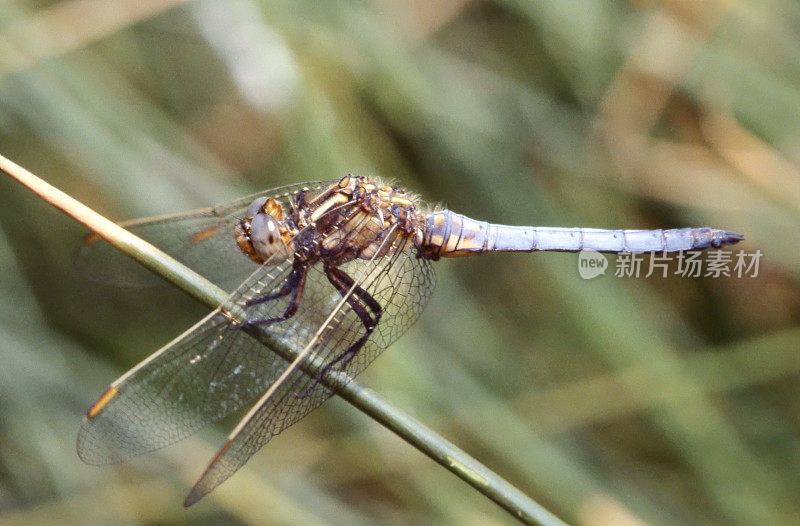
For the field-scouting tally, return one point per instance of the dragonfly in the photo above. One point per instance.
(337, 271)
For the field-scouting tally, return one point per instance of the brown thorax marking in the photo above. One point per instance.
(367, 210)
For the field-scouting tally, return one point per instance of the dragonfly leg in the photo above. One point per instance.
(357, 300)
(343, 358)
(290, 285)
(295, 284)
(360, 300)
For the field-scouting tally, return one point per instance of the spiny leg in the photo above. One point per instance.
(357, 301)
(343, 283)
(294, 284)
(289, 285)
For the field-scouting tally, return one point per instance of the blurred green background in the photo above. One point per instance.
(611, 401)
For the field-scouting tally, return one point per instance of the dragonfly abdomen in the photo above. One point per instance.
(447, 234)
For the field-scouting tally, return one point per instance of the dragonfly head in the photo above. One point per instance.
(262, 234)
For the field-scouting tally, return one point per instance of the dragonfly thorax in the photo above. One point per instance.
(361, 218)
(356, 218)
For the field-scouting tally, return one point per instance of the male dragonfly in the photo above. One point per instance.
(338, 270)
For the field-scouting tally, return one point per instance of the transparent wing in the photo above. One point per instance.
(206, 373)
(201, 239)
(400, 282)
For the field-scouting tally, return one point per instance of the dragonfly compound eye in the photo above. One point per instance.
(265, 235)
(256, 207)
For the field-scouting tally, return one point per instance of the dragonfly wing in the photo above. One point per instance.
(400, 282)
(204, 374)
(209, 371)
(197, 240)
(282, 194)
(201, 239)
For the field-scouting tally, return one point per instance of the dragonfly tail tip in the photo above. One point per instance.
(731, 238)
(192, 498)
